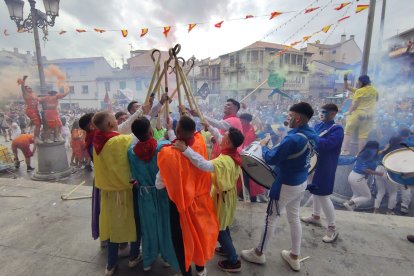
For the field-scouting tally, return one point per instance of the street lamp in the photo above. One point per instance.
(36, 19)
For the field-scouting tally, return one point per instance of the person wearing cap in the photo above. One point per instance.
(291, 159)
(331, 136)
(360, 117)
(50, 105)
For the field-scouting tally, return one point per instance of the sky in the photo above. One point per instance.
(204, 40)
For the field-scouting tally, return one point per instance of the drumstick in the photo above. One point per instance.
(406, 146)
(243, 188)
(78, 197)
(64, 197)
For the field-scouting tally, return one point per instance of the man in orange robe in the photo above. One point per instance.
(32, 110)
(50, 107)
(194, 224)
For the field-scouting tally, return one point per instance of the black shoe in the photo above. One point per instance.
(410, 238)
(29, 169)
(88, 168)
(227, 266)
(220, 251)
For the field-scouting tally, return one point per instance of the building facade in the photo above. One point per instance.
(244, 70)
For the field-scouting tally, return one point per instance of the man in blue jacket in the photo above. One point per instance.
(291, 160)
(329, 146)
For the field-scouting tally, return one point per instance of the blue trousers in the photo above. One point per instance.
(226, 243)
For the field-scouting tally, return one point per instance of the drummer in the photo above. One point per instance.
(291, 158)
(329, 147)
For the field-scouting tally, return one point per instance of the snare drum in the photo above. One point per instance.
(255, 167)
(399, 165)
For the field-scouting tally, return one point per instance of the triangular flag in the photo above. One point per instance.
(249, 16)
(360, 8)
(218, 25)
(5, 32)
(124, 32)
(144, 31)
(191, 26)
(274, 14)
(62, 32)
(99, 30)
(341, 6)
(311, 9)
(326, 28)
(295, 43)
(167, 29)
(343, 18)
(81, 30)
(306, 38)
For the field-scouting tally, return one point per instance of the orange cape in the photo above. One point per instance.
(189, 188)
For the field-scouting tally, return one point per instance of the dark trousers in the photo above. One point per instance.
(226, 243)
(177, 238)
(135, 245)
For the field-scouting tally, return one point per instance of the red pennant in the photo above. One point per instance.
(62, 32)
(274, 14)
(218, 25)
(311, 9)
(81, 30)
(99, 30)
(341, 6)
(5, 32)
(249, 16)
(167, 29)
(343, 18)
(191, 26)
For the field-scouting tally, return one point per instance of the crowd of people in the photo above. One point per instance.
(161, 179)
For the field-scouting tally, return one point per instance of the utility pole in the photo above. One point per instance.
(380, 39)
(368, 37)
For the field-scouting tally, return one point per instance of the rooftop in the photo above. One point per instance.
(74, 60)
(269, 45)
(336, 65)
(329, 46)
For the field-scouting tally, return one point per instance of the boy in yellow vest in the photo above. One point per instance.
(225, 170)
(112, 177)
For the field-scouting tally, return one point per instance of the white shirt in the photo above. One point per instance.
(220, 124)
(125, 127)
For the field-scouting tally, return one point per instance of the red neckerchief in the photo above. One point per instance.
(100, 139)
(188, 142)
(234, 154)
(89, 138)
(145, 150)
(229, 116)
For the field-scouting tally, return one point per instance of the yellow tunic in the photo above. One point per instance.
(224, 194)
(112, 175)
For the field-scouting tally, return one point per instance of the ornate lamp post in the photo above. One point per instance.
(52, 158)
(36, 19)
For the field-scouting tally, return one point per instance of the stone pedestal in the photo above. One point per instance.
(52, 162)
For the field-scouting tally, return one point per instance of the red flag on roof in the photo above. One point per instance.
(107, 101)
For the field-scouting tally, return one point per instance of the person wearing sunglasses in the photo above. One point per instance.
(331, 136)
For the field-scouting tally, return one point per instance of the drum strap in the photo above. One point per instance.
(326, 131)
(302, 151)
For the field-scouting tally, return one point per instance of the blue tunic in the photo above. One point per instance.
(328, 149)
(290, 172)
(154, 212)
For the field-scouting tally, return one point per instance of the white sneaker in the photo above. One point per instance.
(123, 252)
(38, 141)
(48, 141)
(134, 262)
(250, 255)
(345, 152)
(348, 206)
(202, 273)
(110, 272)
(404, 209)
(294, 264)
(148, 268)
(311, 220)
(331, 235)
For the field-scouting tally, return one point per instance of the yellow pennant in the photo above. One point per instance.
(124, 33)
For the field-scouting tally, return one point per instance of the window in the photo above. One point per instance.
(299, 60)
(248, 56)
(321, 53)
(255, 56)
(293, 59)
(122, 84)
(85, 89)
(69, 72)
(202, 72)
(107, 86)
(334, 52)
(232, 61)
(83, 71)
(260, 75)
(72, 89)
(286, 58)
(138, 85)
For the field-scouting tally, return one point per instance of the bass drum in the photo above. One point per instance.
(255, 167)
(399, 165)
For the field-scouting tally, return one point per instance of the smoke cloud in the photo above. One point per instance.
(52, 71)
